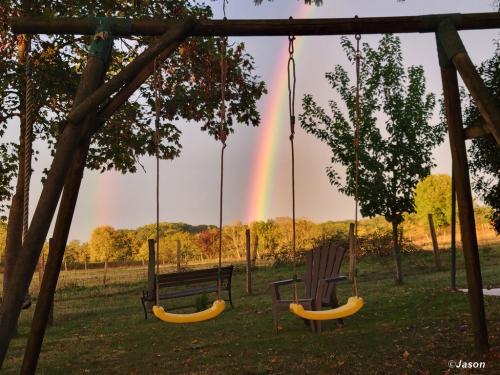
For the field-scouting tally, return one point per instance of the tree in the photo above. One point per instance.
(392, 160)
(102, 244)
(484, 155)
(433, 196)
(208, 242)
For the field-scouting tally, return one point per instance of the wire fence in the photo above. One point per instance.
(85, 281)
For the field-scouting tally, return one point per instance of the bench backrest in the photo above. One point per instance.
(195, 277)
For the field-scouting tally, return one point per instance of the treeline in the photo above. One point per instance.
(270, 239)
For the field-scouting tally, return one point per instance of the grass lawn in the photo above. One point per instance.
(415, 328)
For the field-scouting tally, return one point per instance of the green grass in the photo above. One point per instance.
(102, 331)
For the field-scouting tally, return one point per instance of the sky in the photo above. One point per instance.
(257, 182)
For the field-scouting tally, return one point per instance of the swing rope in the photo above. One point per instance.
(291, 110)
(219, 305)
(157, 152)
(354, 303)
(356, 165)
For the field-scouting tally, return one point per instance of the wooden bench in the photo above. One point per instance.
(194, 282)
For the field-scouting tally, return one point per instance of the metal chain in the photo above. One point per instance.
(356, 166)
(291, 110)
(28, 136)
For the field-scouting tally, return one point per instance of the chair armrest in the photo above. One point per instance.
(335, 279)
(274, 286)
(284, 282)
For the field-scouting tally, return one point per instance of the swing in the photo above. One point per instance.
(354, 303)
(219, 305)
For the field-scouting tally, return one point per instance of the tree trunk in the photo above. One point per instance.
(396, 254)
(14, 240)
(105, 272)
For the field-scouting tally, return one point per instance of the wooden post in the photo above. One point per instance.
(151, 270)
(178, 255)
(255, 249)
(464, 198)
(435, 246)
(249, 261)
(454, 49)
(453, 248)
(351, 251)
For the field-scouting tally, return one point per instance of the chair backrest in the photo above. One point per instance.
(322, 263)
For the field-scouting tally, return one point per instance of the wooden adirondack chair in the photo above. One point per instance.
(322, 273)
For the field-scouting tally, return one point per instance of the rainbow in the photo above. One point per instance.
(274, 121)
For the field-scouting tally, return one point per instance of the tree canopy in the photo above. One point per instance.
(393, 158)
(433, 196)
(483, 152)
(190, 85)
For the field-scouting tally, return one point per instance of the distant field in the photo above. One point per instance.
(415, 328)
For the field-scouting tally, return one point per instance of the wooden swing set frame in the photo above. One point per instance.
(96, 101)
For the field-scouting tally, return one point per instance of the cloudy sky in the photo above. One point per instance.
(257, 174)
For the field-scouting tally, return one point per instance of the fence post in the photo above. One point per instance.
(249, 261)
(178, 255)
(435, 247)
(255, 249)
(151, 270)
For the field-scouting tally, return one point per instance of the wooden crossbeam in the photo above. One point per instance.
(254, 27)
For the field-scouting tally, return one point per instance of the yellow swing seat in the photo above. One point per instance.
(353, 305)
(217, 307)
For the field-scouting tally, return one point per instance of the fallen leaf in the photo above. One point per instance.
(406, 355)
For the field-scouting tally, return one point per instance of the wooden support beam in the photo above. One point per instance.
(464, 198)
(252, 27)
(126, 91)
(47, 203)
(477, 130)
(57, 247)
(173, 36)
(454, 50)
(453, 246)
